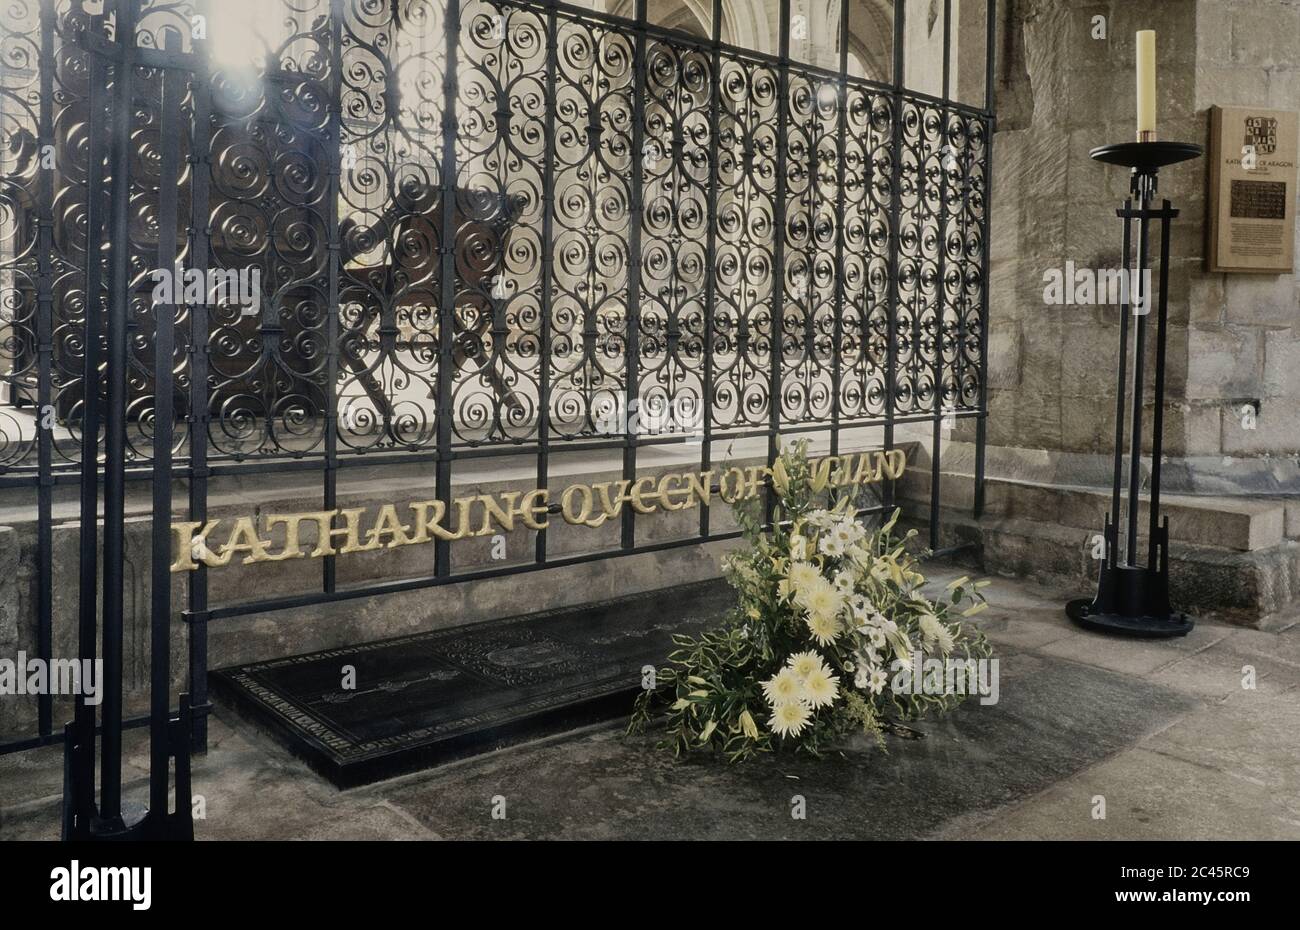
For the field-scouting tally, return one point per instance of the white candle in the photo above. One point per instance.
(1146, 84)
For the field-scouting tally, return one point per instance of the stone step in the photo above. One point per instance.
(1238, 524)
(1241, 587)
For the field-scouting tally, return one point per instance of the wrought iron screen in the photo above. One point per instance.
(480, 227)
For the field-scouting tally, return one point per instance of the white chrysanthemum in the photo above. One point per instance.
(824, 628)
(945, 639)
(844, 583)
(783, 688)
(878, 681)
(861, 604)
(819, 597)
(804, 664)
(821, 687)
(802, 575)
(789, 719)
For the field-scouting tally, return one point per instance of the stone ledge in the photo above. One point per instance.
(1242, 588)
(1241, 524)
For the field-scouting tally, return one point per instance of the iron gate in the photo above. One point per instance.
(478, 227)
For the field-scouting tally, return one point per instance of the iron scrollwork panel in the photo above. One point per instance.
(390, 215)
(919, 241)
(592, 198)
(269, 152)
(29, 159)
(864, 349)
(675, 172)
(747, 289)
(810, 233)
(965, 214)
(501, 114)
(20, 168)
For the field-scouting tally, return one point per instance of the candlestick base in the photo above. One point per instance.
(1146, 156)
(1144, 627)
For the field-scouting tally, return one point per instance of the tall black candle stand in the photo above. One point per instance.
(1133, 599)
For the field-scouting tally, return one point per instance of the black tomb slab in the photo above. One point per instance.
(428, 698)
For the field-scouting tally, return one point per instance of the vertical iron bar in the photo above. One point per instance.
(936, 437)
(895, 197)
(117, 400)
(632, 315)
(990, 98)
(1158, 414)
(711, 249)
(447, 247)
(1121, 384)
(160, 607)
(548, 264)
(841, 127)
(196, 613)
(88, 541)
(777, 325)
(1139, 366)
(44, 387)
(334, 140)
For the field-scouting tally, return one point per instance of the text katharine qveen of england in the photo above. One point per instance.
(347, 530)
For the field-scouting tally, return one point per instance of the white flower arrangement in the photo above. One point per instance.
(825, 608)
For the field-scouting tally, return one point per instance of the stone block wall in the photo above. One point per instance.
(1233, 338)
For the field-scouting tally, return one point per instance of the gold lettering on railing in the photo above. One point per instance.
(341, 532)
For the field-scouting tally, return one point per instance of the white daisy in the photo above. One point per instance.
(804, 664)
(819, 597)
(783, 688)
(789, 719)
(830, 546)
(878, 680)
(821, 687)
(847, 532)
(824, 628)
(844, 582)
(945, 639)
